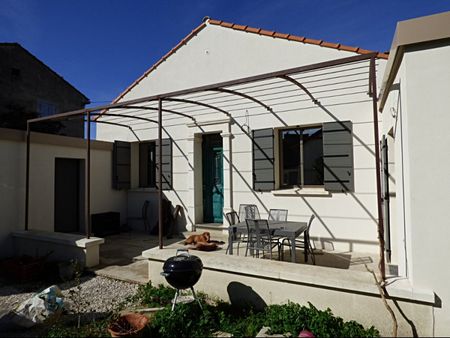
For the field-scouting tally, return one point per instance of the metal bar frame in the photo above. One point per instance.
(198, 103)
(251, 98)
(160, 208)
(302, 87)
(88, 177)
(119, 125)
(171, 96)
(157, 109)
(27, 177)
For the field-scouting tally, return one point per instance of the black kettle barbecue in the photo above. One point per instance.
(182, 271)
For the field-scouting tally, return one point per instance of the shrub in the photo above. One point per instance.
(152, 296)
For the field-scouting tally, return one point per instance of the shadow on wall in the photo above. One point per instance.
(243, 296)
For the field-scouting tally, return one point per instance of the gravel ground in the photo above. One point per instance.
(98, 294)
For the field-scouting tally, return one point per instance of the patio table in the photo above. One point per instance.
(287, 229)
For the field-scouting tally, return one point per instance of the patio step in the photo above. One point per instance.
(217, 231)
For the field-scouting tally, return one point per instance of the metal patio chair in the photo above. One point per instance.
(260, 237)
(143, 217)
(302, 243)
(233, 218)
(278, 215)
(248, 211)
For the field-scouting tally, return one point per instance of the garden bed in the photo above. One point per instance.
(218, 317)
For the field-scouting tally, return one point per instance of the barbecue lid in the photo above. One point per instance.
(183, 262)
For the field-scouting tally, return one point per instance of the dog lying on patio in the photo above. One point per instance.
(202, 242)
(194, 239)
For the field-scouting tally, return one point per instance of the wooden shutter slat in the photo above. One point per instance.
(338, 156)
(263, 160)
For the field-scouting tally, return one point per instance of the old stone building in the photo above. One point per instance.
(29, 88)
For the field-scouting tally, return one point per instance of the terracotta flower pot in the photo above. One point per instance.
(128, 325)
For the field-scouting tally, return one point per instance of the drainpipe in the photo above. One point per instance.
(373, 81)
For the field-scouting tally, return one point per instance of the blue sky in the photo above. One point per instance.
(101, 46)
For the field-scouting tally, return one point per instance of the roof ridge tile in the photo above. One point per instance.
(279, 35)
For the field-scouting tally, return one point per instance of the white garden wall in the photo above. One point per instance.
(44, 149)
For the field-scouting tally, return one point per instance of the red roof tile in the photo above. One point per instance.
(296, 38)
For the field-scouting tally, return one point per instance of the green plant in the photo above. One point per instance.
(152, 296)
(90, 329)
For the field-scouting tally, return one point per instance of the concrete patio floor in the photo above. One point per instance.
(121, 256)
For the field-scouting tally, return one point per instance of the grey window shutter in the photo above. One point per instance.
(121, 165)
(338, 156)
(263, 160)
(166, 164)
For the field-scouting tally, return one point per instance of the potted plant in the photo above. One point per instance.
(128, 325)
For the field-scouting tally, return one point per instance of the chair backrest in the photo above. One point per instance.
(257, 228)
(309, 224)
(278, 214)
(232, 217)
(248, 211)
(145, 209)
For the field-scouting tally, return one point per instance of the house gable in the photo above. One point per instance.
(218, 51)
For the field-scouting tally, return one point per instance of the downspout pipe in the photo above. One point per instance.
(373, 80)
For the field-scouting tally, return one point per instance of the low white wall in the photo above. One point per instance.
(351, 295)
(44, 149)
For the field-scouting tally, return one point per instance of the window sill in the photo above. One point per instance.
(301, 192)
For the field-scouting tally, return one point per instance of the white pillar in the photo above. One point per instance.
(194, 177)
(227, 139)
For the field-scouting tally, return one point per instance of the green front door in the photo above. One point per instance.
(212, 178)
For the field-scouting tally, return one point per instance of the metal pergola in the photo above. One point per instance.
(190, 98)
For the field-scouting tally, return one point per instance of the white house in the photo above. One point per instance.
(296, 180)
(292, 125)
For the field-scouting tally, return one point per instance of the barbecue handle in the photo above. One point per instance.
(165, 274)
(182, 252)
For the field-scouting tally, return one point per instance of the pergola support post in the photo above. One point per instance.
(27, 177)
(160, 195)
(88, 178)
(373, 81)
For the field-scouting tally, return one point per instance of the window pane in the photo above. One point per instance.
(147, 165)
(312, 156)
(290, 167)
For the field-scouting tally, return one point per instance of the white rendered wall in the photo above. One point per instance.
(428, 141)
(42, 171)
(420, 102)
(345, 221)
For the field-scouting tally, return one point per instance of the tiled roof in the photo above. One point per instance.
(295, 38)
(249, 30)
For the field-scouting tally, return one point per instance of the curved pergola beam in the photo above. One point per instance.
(198, 103)
(302, 87)
(116, 124)
(124, 116)
(251, 98)
(156, 109)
